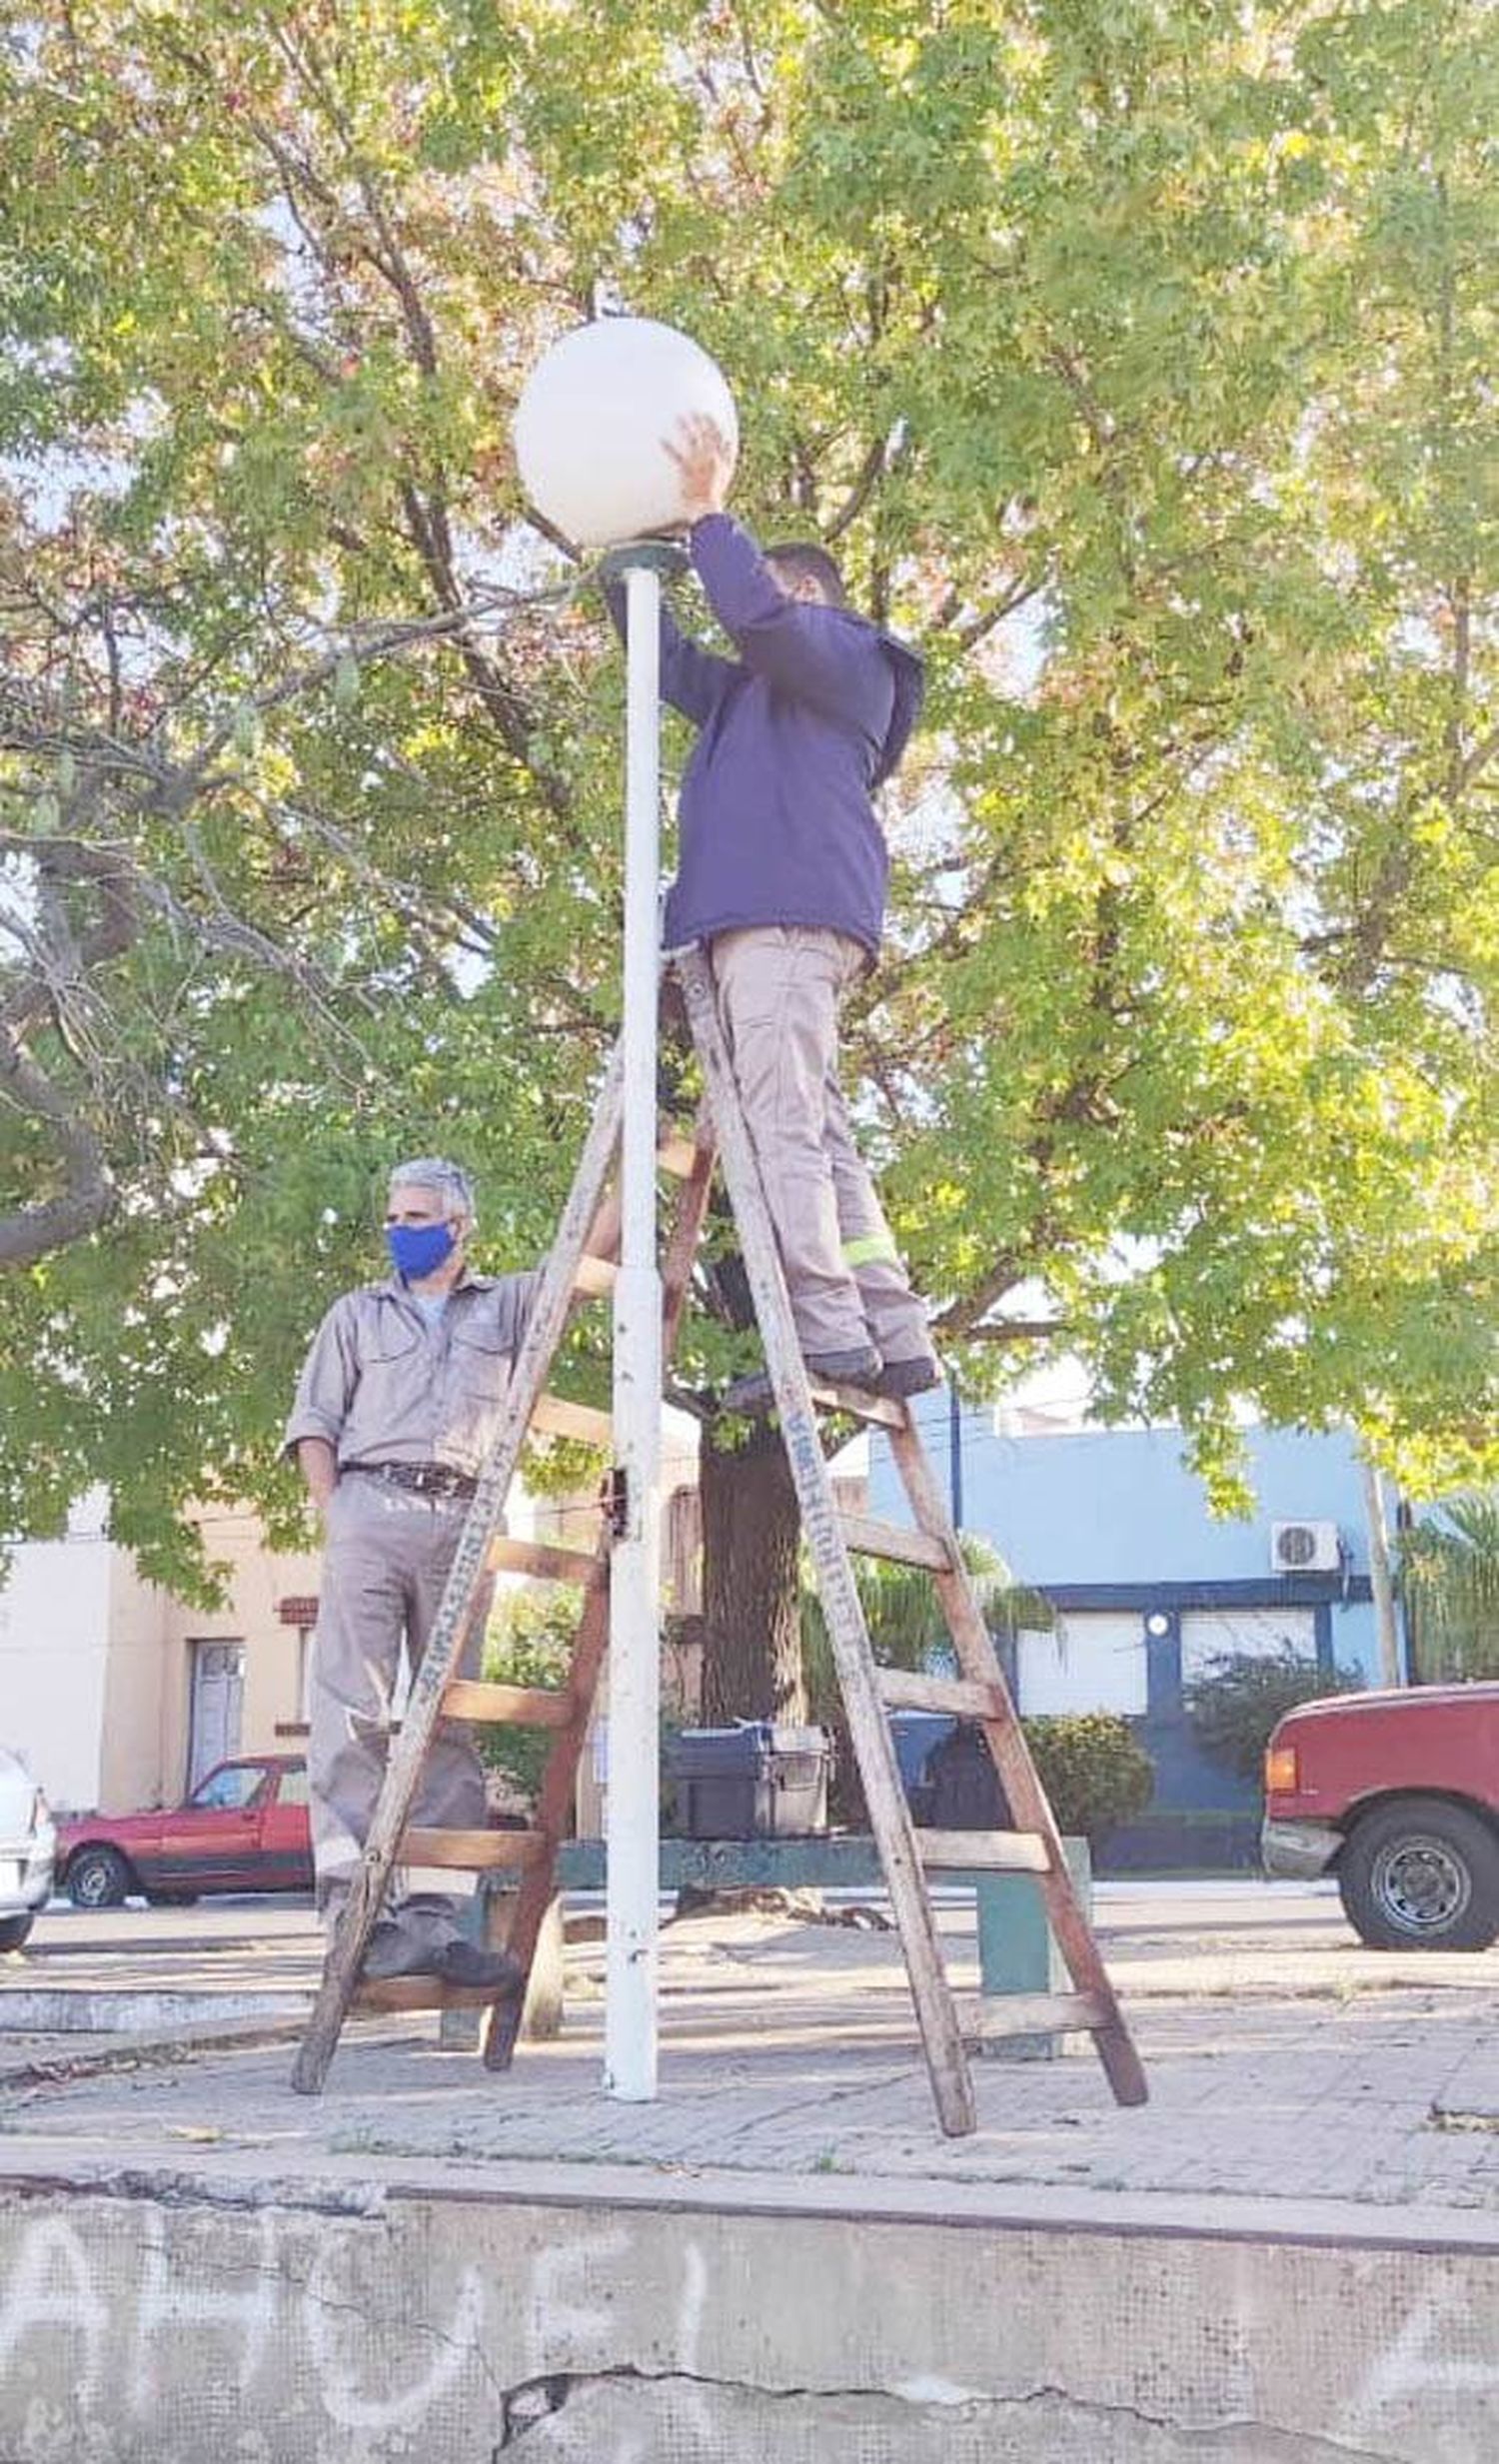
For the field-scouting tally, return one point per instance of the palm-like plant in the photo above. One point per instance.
(908, 1631)
(1448, 1571)
(904, 1616)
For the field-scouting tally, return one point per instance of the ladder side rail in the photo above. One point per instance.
(1030, 1805)
(591, 1642)
(445, 1645)
(874, 1749)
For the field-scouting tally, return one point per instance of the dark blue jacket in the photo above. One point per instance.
(776, 822)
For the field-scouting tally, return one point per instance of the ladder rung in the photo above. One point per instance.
(538, 1557)
(965, 1698)
(420, 1994)
(987, 1851)
(555, 1416)
(990, 2017)
(530, 1707)
(859, 1405)
(595, 1276)
(676, 1155)
(902, 1546)
(474, 1852)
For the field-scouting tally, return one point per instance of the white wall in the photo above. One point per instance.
(54, 1638)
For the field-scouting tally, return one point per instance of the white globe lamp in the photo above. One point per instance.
(593, 419)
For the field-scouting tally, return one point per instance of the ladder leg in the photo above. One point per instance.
(1029, 1807)
(937, 2012)
(441, 1659)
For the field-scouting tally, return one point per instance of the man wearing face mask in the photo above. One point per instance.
(397, 1407)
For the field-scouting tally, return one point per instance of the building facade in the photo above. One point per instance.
(119, 1694)
(1148, 1588)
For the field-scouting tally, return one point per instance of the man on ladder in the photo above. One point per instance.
(396, 1410)
(778, 903)
(782, 875)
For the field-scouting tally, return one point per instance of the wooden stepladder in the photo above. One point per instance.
(979, 1692)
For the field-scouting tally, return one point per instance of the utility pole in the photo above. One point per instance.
(1381, 1581)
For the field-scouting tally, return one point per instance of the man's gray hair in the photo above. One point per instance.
(435, 1172)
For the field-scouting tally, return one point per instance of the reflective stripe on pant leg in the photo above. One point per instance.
(871, 1248)
(778, 994)
(896, 1317)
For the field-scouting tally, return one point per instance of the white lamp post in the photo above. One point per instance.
(590, 431)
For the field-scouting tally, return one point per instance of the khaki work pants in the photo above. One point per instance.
(386, 1557)
(780, 989)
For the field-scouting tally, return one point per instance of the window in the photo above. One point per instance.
(1256, 1632)
(292, 1789)
(1093, 1661)
(237, 1784)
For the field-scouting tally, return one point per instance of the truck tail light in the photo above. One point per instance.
(1282, 1772)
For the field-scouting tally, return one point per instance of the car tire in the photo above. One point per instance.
(98, 1878)
(14, 1929)
(1422, 1875)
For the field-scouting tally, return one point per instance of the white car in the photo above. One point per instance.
(28, 1850)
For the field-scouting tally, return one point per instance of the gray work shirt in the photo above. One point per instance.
(381, 1385)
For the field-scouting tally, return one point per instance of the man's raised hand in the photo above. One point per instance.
(704, 460)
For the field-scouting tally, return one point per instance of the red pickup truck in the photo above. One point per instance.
(1397, 1795)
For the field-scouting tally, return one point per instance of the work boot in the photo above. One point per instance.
(462, 1963)
(859, 1368)
(457, 1962)
(899, 1379)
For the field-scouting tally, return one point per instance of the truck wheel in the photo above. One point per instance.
(98, 1878)
(1422, 1875)
(13, 1930)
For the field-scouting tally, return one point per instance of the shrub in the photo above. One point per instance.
(529, 1642)
(1093, 1768)
(1235, 1702)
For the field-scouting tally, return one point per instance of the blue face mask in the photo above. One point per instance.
(419, 1249)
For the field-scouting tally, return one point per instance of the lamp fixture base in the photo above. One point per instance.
(665, 556)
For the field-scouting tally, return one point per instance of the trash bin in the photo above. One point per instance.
(966, 1794)
(754, 1781)
(917, 1737)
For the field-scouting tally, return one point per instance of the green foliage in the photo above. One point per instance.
(1235, 1702)
(529, 1642)
(1448, 1572)
(1093, 1768)
(904, 1614)
(1139, 361)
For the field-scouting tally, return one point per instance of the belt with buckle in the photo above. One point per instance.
(427, 1479)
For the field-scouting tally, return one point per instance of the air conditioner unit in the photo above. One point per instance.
(1304, 1548)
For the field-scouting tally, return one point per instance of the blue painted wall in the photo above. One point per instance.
(1118, 1511)
(1114, 1519)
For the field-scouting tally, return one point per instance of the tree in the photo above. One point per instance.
(1448, 1575)
(1137, 357)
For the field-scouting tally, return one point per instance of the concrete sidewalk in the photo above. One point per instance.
(1286, 2064)
(1292, 2255)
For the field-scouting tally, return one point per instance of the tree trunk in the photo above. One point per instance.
(751, 1658)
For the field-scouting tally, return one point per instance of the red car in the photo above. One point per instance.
(244, 1827)
(1397, 1796)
